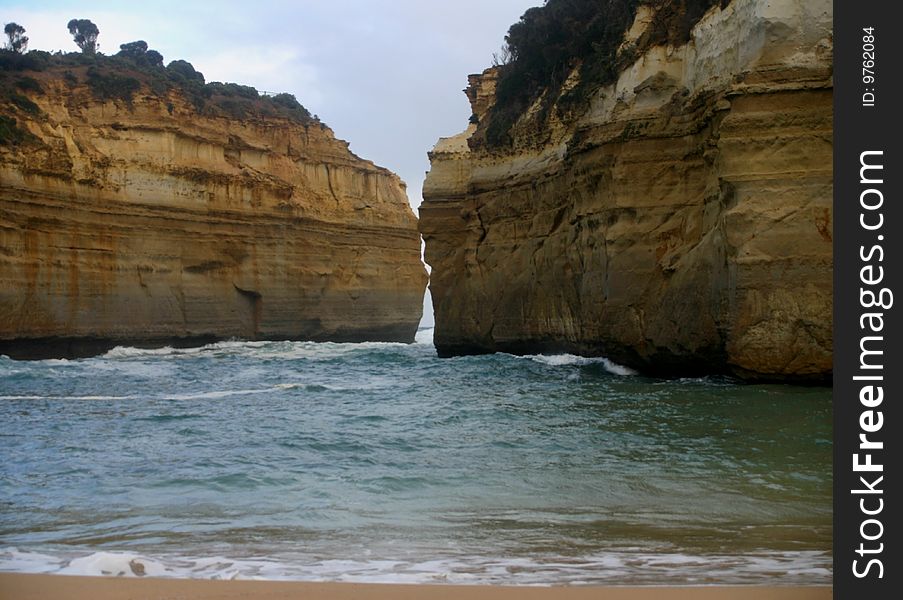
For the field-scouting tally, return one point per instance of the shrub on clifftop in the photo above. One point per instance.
(138, 53)
(182, 69)
(549, 42)
(136, 67)
(111, 86)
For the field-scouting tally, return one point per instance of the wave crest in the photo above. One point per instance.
(564, 360)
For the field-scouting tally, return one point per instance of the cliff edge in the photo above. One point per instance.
(134, 211)
(675, 216)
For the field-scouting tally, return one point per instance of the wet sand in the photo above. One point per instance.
(15, 586)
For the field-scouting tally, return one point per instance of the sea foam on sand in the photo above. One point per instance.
(610, 568)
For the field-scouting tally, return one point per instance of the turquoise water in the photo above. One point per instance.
(381, 462)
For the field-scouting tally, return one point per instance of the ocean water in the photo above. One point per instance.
(383, 463)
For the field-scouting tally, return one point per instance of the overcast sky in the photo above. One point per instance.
(386, 75)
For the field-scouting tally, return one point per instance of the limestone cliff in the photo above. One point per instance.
(144, 220)
(680, 222)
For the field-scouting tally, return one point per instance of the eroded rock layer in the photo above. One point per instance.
(682, 224)
(145, 222)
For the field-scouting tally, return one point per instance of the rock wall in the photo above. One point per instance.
(145, 222)
(681, 225)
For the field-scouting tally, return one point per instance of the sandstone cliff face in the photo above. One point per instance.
(145, 222)
(681, 225)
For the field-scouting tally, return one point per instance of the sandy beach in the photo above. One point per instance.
(49, 587)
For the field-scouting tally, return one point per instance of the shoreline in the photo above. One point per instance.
(28, 586)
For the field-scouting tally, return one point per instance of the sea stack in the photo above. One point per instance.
(141, 206)
(668, 205)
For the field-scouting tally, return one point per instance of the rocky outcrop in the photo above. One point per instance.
(148, 222)
(680, 224)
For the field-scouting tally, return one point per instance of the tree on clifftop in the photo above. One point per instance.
(133, 49)
(184, 70)
(85, 33)
(18, 42)
(153, 58)
(138, 52)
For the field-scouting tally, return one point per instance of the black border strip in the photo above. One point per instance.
(868, 364)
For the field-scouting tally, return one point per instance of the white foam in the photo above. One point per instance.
(130, 352)
(611, 567)
(231, 345)
(616, 369)
(424, 336)
(14, 560)
(560, 360)
(216, 394)
(273, 349)
(120, 564)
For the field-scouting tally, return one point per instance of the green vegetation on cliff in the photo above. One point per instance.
(551, 41)
(134, 69)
